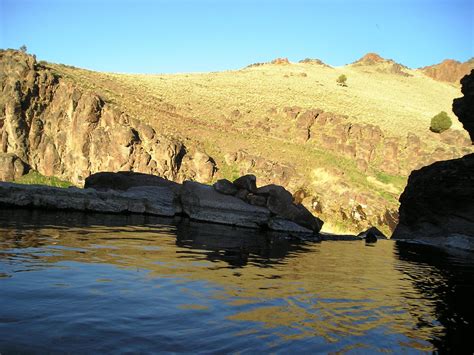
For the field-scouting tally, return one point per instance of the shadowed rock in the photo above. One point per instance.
(154, 200)
(463, 107)
(280, 202)
(129, 192)
(437, 205)
(123, 180)
(256, 200)
(438, 201)
(247, 182)
(372, 234)
(202, 202)
(225, 187)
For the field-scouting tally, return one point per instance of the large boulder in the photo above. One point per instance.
(154, 200)
(201, 202)
(247, 182)
(438, 201)
(278, 198)
(225, 187)
(280, 203)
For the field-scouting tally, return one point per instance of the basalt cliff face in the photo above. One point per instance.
(437, 206)
(51, 126)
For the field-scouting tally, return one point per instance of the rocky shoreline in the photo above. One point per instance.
(239, 203)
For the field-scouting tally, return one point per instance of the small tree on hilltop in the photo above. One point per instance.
(440, 123)
(23, 49)
(341, 80)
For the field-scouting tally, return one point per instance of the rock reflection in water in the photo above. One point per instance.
(446, 278)
(180, 286)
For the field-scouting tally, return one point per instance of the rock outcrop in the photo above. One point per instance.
(280, 61)
(449, 70)
(438, 200)
(154, 200)
(381, 65)
(124, 180)
(127, 192)
(202, 202)
(314, 61)
(463, 107)
(437, 206)
(50, 125)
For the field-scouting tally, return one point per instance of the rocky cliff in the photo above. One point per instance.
(437, 206)
(50, 125)
(448, 70)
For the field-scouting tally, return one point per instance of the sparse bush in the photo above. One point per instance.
(440, 123)
(341, 80)
(23, 49)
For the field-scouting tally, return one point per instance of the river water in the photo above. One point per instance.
(77, 283)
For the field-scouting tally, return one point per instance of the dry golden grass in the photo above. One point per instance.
(397, 104)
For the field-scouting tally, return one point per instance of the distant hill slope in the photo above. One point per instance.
(449, 70)
(396, 103)
(344, 151)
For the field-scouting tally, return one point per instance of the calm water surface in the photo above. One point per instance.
(105, 284)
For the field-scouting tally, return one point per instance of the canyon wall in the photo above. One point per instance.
(49, 125)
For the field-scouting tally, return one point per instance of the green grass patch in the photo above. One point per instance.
(396, 180)
(35, 178)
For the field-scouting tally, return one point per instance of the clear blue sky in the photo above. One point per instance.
(210, 35)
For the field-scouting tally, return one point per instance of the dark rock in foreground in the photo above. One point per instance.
(437, 206)
(123, 180)
(225, 187)
(153, 200)
(129, 192)
(463, 107)
(372, 234)
(438, 201)
(201, 202)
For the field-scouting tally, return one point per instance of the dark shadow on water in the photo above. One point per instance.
(216, 242)
(236, 245)
(447, 278)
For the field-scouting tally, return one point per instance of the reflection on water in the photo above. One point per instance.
(102, 283)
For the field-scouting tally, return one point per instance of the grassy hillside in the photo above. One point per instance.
(224, 112)
(396, 103)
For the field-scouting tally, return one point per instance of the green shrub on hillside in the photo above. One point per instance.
(341, 80)
(440, 123)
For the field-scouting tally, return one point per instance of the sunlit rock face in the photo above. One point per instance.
(449, 70)
(53, 127)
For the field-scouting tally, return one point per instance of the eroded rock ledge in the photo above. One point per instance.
(241, 204)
